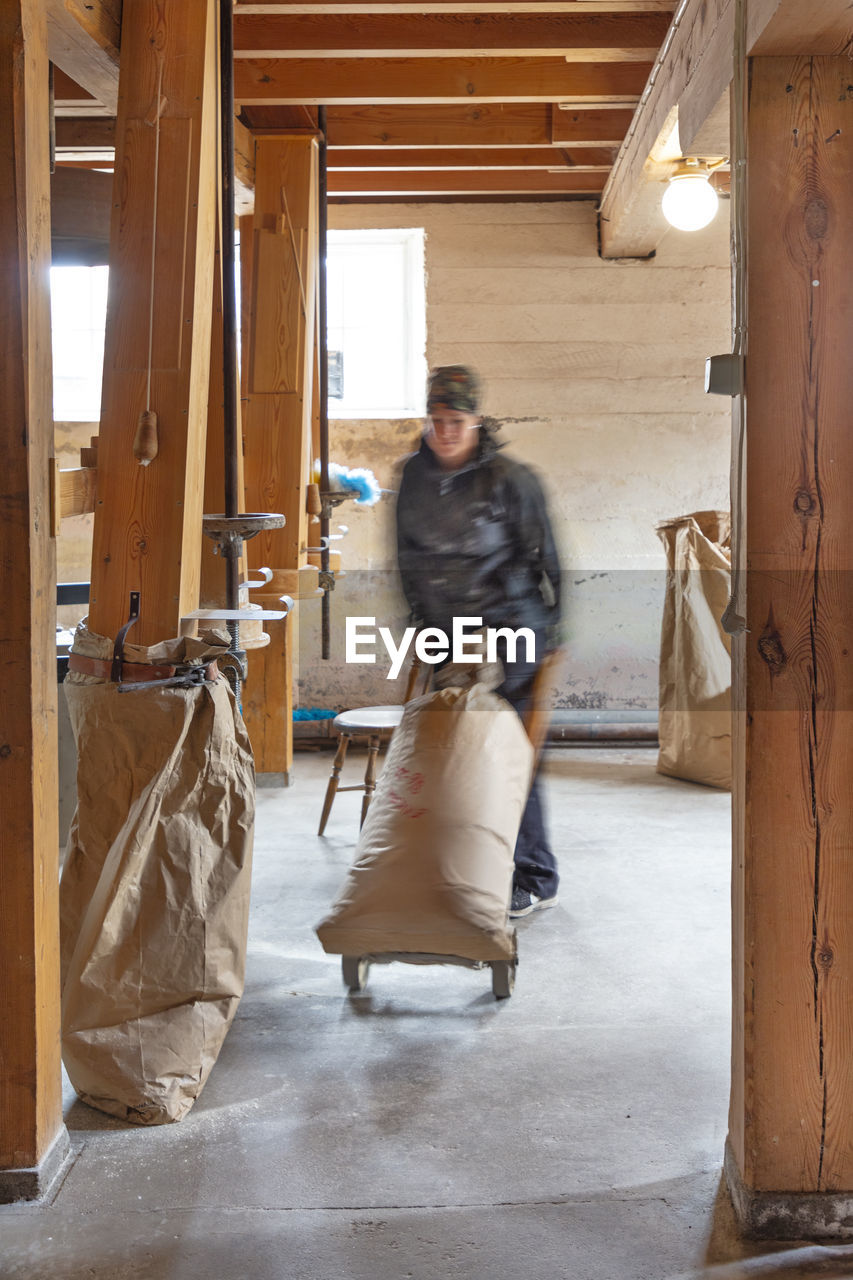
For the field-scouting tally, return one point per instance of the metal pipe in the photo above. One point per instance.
(229, 297)
(229, 314)
(734, 616)
(52, 112)
(322, 328)
(641, 734)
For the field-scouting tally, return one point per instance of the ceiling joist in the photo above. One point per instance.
(297, 7)
(85, 134)
(591, 136)
(336, 81)
(358, 159)
(440, 96)
(409, 185)
(585, 37)
(520, 124)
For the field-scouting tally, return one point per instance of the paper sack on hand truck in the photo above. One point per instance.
(432, 875)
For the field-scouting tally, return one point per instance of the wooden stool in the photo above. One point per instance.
(376, 724)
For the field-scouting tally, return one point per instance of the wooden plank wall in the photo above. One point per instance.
(30, 1097)
(791, 1125)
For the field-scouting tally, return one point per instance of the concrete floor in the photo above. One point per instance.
(424, 1131)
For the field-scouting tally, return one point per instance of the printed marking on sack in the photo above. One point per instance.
(411, 782)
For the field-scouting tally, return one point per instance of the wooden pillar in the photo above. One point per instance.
(33, 1141)
(790, 1152)
(147, 534)
(279, 375)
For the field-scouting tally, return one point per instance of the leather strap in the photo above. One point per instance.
(131, 672)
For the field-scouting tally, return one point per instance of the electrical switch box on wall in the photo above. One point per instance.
(724, 375)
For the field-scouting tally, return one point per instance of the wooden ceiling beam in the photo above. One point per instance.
(294, 7)
(336, 81)
(86, 134)
(584, 37)
(687, 91)
(696, 61)
(699, 91)
(84, 40)
(93, 135)
(70, 98)
(75, 109)
(579, 128)
(244, 170)
(480, 125)
(90, 144)
(102, 156)
(824, 27)
(405, 185)
(84, 160)
(360, 159)
(525, 124)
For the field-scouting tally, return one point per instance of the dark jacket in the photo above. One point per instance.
(477, 542)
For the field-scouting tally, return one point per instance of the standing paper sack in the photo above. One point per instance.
(434, 861)
(695, 663)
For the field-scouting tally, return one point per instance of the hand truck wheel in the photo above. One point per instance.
(503, 979)
(355, 971)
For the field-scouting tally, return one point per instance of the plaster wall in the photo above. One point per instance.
(596, 371)
(74, 544)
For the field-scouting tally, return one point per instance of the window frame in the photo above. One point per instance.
(413, 240)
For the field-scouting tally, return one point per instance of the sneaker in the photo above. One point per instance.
(524, 902)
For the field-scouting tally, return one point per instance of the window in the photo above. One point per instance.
(377, 324)
(78, 304)
(377, 329)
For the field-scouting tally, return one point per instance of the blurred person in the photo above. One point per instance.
(474, 539)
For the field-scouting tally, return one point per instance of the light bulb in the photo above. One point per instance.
(689, 202)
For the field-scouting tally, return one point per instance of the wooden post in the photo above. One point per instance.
(33, 1141)
(147, 534)
(790, 1155)
(279, 375)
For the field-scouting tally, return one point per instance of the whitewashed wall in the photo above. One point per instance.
(74, 544)
(596, 368)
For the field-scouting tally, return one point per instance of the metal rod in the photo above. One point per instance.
(322, 326)
(229, 296)
(229, 318)
(734, 616)
(52, 110)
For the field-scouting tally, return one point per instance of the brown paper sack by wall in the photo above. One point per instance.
(433, 865)
(695, 663)
(154, 896)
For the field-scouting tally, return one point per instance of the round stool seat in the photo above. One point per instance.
(368, 720)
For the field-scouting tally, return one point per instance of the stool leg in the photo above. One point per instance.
(334, 780)
(369, 776)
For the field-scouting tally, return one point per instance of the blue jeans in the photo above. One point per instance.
(535, 864)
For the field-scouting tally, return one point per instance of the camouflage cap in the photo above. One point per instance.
(454, 385)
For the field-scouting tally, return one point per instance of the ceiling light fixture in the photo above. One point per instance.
(690, 202)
